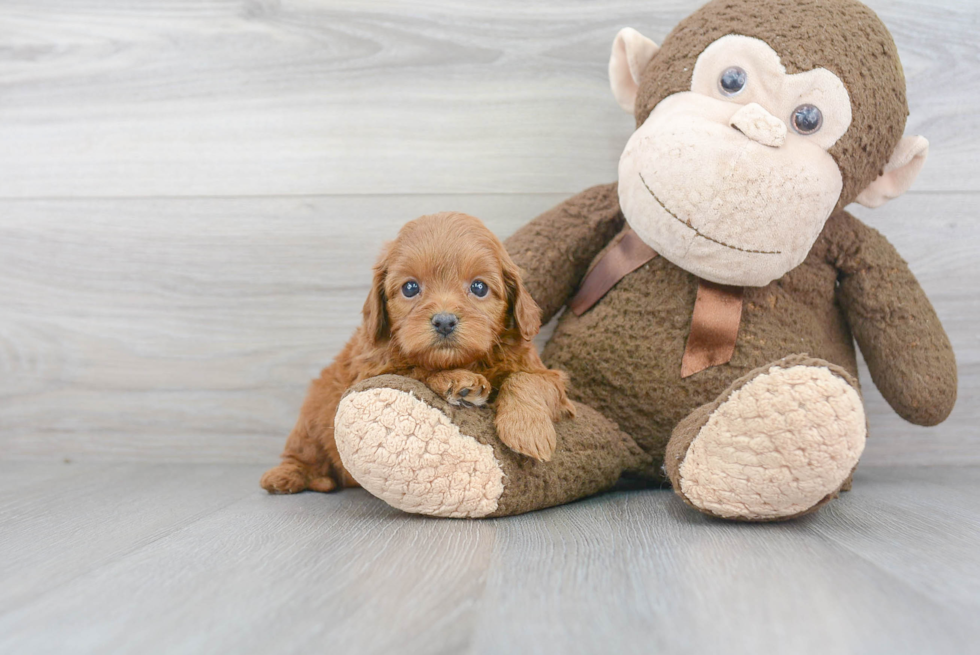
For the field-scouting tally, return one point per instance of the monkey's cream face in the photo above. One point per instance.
(732, 180)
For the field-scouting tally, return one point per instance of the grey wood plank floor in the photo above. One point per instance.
(196, 559)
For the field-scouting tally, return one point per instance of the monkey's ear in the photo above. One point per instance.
(376, 323)
(900, 171)
(631, 52)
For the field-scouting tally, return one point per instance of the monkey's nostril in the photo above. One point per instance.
(445, 323)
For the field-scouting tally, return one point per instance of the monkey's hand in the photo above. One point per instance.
(908, 353)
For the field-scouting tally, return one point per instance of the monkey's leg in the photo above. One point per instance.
(418, 453)
(778, 443)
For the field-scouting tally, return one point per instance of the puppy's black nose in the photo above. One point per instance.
(445, 323)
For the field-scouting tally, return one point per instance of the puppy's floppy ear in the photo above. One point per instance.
(523, 311)
(375, 311)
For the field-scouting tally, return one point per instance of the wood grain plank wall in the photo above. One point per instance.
(192, 193)
(245, 97)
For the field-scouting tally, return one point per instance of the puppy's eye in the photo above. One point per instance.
(479, 288)
(410, 289)
(732, 81)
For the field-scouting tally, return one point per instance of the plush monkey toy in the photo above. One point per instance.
(715, 291)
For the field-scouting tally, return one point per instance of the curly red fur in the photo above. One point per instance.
(489, 350)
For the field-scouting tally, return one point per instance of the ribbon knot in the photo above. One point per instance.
(717, 309)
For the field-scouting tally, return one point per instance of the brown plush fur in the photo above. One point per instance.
(624, 354)
(489, 349)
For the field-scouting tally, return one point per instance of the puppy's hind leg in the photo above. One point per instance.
(293, 474)
(309, 461)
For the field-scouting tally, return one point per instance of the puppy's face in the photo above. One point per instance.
(445, 292)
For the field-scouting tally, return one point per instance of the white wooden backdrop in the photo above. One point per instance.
(192, 193)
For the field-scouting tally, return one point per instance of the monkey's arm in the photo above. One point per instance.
(903, 342)
(555, 249)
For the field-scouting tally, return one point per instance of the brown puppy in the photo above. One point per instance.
(447, 307)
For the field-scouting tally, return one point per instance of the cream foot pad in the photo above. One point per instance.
(777, 446)
(410, 455)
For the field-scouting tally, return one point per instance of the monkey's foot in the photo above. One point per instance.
(779, 443)
(410, 455)
(412, 449)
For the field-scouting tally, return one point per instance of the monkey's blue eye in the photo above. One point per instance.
(479, 288)
(807, 119)
(410, 289)
(732, 81)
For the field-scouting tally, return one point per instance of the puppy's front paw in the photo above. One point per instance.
(527, 433)
(461, 387)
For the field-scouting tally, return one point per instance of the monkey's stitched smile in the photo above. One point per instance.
(698, 232)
